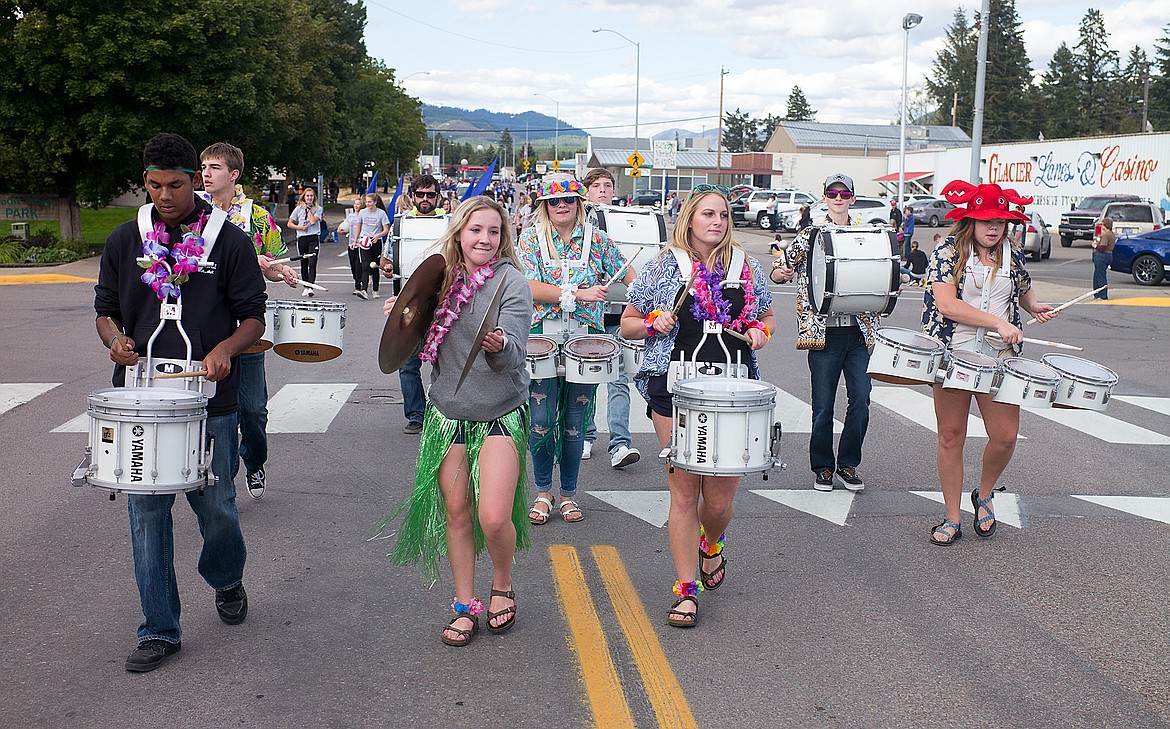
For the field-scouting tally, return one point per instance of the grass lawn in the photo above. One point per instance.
(96, 225)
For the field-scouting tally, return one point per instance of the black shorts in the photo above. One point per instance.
(497, 428)
(661, 401)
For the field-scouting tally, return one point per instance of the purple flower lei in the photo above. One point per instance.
(709, 304)
(162, 275)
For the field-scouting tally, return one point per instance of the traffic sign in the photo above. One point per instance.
(636, 160)
(633, 172)
(527, 164)
(665, 154)
(556, 164)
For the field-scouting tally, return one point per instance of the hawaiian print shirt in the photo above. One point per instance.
(657, 287)
(604, 261)
(942, 270)
(811, 325)
(263, 229)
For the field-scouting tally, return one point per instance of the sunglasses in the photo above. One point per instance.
(705, 187)
(834, 194)
(554, 202)
(426, 195)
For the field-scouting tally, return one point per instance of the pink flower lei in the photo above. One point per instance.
(462, 289)
(166, 277)
(709, 302)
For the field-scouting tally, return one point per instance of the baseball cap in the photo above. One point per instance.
(845, 180)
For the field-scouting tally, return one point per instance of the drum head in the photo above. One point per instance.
(1032, 370)
(592, 347)
(817, 270)
(909, 339)
(147, 398)
(630, 344)
(975, 360)
(724, 388)
(1080, 369)
(539, 346)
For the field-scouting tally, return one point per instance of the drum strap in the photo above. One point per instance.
(685, 265)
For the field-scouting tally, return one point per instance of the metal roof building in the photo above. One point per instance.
(860, 140)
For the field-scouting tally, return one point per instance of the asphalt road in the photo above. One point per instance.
(1060, 621)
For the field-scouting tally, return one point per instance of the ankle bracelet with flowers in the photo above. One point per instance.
(473, 608)
(165, 277)
(711, 550)
(462, 289)
(687, 589)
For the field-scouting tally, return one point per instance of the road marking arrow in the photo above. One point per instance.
(832, 506)
(652, 507)
(1006, 506)
(1156, 508)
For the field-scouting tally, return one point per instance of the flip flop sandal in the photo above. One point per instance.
(573, 509)
(535, 515)
(509, 611)
(680, 619)
(708, 577)
(942, 529)
(465, 636)
(984, 504)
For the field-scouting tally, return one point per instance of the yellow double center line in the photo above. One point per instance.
(606, 697)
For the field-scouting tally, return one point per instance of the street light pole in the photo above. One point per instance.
(556, 128)
(637, 83)
(909, 21)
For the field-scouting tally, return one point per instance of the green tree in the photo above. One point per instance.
(1131, 83)
(1097, 71)
(798, 107)
(1008, 112)
(953, 75)
(739, 131)
(1160, 83)
(767, 127)
(1059, 93)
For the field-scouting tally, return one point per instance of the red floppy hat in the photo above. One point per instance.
(984, 202)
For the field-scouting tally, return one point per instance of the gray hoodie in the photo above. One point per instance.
(497, 383)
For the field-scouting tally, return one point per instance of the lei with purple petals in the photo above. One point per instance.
(461, 291)
(709, 304)
(166, 277)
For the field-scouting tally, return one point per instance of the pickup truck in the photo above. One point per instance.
(1081, 222)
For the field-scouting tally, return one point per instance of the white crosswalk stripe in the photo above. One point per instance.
(307, 408)
(18, 393)
(1157, 404)
(919, 408)
(1102, 426)
(1006, 506)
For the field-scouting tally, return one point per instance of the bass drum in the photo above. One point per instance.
(853, 270)
(631, 228)
(413, 239)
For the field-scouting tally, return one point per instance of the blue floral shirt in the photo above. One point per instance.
(657, 287)
(604, 261)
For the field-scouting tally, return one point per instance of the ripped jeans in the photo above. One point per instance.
(544, 401)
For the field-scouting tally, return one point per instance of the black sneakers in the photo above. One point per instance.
(232, 605)
(824, 480)
(849, 478)
(255, 481)
(412, 428)
(150, 654)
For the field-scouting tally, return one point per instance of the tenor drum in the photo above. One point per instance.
(541, 356)
(1026, 383)
(970, 371)
(147, 441)
(264, 343)
(414, 239)
(632, 353)
(853, 270)
(308, 331)
(905, 357)
(592, 359)
(724, 426)
(1084, 385)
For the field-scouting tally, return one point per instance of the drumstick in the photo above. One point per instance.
(737, 335)
(683, 294)
(180, 375)
(622, 271)
(308, 285)
(1057, 345)
(1067, 304)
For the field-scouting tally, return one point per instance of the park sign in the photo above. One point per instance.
(41, 208)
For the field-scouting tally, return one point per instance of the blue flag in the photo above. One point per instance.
(394, 200)
(373, 184)
(481, 184)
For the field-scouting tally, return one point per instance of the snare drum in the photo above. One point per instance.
(853, 270)
(970, 371)
(1026, 383)
(632, 353)
(1084, 385)
(724, 426)
(136, 375)
(592, 359)
(147, 441)
(541, 356)
(905, 357)
(264, 343)
(308, 331)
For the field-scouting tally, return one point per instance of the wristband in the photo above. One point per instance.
(111, 344)
(650, 330)
(757, 324)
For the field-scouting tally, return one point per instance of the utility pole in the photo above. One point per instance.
(1146, 101)
(955, 111)
(980, 84)
(719, 135)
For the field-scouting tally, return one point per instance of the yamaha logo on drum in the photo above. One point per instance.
(138, 431)
(701, 446)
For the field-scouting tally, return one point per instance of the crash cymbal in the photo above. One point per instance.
(411, 316)
(490, 319)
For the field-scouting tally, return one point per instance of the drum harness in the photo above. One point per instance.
(684, 370)
(980, 344)
(552, 261)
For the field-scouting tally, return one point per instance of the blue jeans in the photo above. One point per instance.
(617, 410)
(252, 413)
(544, 401)
(844, 352)
(221, 562)
(414, 399)
(1101, 263)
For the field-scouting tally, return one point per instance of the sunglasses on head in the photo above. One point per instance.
(558, 201)
(834, 194)
(705, 187)
(426, 195)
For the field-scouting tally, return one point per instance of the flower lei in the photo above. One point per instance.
(687, 589)
(166, 278)
(711, 550)
(709, 304)
(475, 607)
(461, 291)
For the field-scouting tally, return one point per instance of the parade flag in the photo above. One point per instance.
(393, 207)
(373, 184)
(481, 184)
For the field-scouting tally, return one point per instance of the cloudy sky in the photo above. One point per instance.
(845, 54)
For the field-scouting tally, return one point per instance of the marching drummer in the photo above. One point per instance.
(977, 287)
(127, 302)
(837, 345)
(567, 270)
(730, 288)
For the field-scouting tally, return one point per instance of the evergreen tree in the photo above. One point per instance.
(1007, 101)
(739, 131)
(1097, 71)
(1059, 92)
(1160, 83)
(1131, 85)
(767, 127)
(798, 107)
(954, 71)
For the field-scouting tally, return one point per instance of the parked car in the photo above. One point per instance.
(739, 191)
(1081, 222)
(647, 198)
(864, 211)
(931, 213)
(1037, 240)
(752, 207)
(1132, 218)
(1146, 257)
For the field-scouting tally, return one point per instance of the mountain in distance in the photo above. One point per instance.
(686, 134)
(483, 125)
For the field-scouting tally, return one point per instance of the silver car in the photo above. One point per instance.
(1037, 241)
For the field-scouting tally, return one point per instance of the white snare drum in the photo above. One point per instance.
(1084, 385)
(905, 357)
(147, 441)
(1026, 383)
(542, 356)
(724, 426)
(631, 229)
(853, 270)
(308, 331)
(970, 371)
(632, 352)
(592, 359)
(264, 343)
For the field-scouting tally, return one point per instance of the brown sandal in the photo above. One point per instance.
(708, 578)
(679, 619)
(465, 636)
(509, 611)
